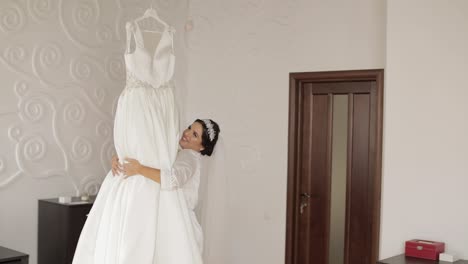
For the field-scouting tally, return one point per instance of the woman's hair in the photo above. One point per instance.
(210, 135)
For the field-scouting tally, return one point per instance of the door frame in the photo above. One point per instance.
(295, 94)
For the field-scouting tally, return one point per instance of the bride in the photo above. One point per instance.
(198, 139)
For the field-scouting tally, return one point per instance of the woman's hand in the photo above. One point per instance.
(131, 167)
(116, 167)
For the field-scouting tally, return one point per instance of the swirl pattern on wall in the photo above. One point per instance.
(103, 129)
(21, 88)
(104, 34)
(34, 148)
(15, 55)
(82, 22)
(50, 56)
(32, 109)
(74, 113)
(12, 18)
(82, 149)
(80, 70)
(85, 14)
(41, 9)
(15, 133)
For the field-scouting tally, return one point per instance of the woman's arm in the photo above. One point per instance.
(183, 169)
(133, 167)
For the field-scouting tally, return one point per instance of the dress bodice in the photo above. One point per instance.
(145, 69)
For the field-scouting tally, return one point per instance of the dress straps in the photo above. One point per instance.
(130, 28)
(134, 30)
(172, 31)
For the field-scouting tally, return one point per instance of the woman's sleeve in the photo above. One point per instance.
(183, 169)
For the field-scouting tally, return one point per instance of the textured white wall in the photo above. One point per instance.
(425, 170)
(61, 71)
(240, 56)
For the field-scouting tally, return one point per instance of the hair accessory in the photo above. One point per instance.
(209, 126)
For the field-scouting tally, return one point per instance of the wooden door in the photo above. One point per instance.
(309, 168)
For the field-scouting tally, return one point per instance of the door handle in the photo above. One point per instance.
(302, 207)
(304, 202)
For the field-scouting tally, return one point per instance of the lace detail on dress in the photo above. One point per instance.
(173, 183)
(134, 82)
(169, 180)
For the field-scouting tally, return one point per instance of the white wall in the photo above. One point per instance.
(61, 71)
(425, 169)
(240, 56)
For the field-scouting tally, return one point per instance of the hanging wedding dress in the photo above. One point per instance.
(132, 220)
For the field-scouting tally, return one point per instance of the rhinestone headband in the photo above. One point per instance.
(209, 126)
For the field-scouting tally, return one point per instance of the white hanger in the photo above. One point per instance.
(152, 13)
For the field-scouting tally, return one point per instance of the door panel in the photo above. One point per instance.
(358, 226)
(312, 232)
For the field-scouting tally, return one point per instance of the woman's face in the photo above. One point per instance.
(192, 137)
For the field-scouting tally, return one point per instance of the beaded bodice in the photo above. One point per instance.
(148, 70)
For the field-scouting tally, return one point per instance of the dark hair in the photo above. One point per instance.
(208, 145)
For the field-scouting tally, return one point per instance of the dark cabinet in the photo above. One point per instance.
(401, 259)
(59, 228)
(9, 256)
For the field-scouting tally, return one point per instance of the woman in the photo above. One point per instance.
(198, 139)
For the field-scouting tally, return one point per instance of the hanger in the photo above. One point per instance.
(151, 13)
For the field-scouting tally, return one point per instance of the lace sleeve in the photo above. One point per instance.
(183, 169)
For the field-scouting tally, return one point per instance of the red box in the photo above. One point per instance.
(424, 249)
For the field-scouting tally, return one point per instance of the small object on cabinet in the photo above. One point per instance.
(64, 199)
(447, 257)
(424, 249)
(85, 197)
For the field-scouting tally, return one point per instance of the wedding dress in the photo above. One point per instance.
(133, 220)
